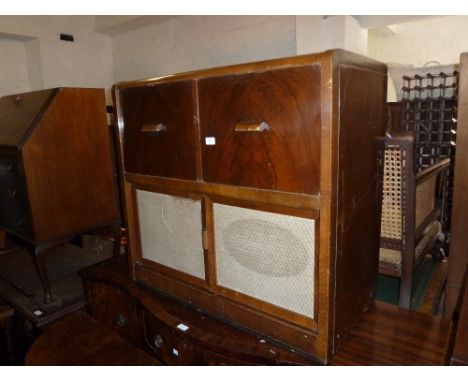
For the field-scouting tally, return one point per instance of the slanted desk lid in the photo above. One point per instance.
(19, 114)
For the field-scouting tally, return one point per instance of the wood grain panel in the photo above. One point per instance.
(160, 135)
(69, 174)
(285, 155)
(19, 113)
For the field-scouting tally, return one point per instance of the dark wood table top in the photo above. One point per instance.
(390, 335)
(460, 350)
(387, 335)
(80, 340)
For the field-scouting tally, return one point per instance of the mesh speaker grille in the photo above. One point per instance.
(171, 231)
(268, 256)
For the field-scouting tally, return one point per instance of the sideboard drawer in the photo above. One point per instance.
(262, 129)
(160, 135)
(165, 343)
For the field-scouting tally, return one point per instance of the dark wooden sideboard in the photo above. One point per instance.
(56, 177)
(177, 334)
(252, 192)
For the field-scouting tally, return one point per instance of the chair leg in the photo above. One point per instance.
(39, 255)
(406, 286)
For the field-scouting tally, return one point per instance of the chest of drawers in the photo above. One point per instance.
(56, 177)
(252, 192)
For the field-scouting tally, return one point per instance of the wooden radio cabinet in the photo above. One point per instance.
(252, 192)
(56, 177)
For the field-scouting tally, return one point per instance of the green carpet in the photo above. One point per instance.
(388, 288)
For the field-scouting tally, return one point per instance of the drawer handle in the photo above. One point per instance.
(153, 128)
(252, 127)
(12, 193)
(158, 341)
(121, 320)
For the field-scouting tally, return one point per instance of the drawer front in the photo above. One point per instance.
(159, 132)
(14, 206)
(114, 307)
(166, 344)
(262, 130)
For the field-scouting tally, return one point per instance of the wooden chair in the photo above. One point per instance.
(410, 210)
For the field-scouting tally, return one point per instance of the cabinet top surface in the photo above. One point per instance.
(337, 56)
(20, 113)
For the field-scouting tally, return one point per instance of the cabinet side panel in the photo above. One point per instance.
(68, 166)
(362, 118)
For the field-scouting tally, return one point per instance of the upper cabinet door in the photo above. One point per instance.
(262, 130)
(159, 132)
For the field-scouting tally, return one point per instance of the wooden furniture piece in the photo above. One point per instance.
(458, 256)
(410, 212)
(55, 169)
(6, 314)
(390, 335)
(386, 335)
(252, 191)
(80, 340)
(460, 349)
(171, 331)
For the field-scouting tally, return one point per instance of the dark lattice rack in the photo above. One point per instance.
(430, 112)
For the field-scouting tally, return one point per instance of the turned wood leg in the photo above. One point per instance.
(40, 262)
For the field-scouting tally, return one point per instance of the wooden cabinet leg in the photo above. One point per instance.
(40, 263)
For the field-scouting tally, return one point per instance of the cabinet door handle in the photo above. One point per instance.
(153, 128)
(252, 126)
(121, 320)
(158, 341)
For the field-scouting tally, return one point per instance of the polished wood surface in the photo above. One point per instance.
(386, 335)
(459, 228)
(313, 119)
(68, 166)
(389, 335)
(357, 223)
(460, 350)
(206, 341)
(19, 113)
(287, 102)
(80, 340)
(160, 133)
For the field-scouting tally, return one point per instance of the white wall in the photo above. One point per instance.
(44, 61)
(194, 42)
(440, 39)
(13, 66)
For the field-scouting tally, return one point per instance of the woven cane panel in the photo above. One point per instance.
(268, 256)
(391, 220)
(425, 199)
(390, 257)
(171, 231)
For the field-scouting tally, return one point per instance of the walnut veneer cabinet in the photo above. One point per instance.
(252, 192)
(56, 176)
